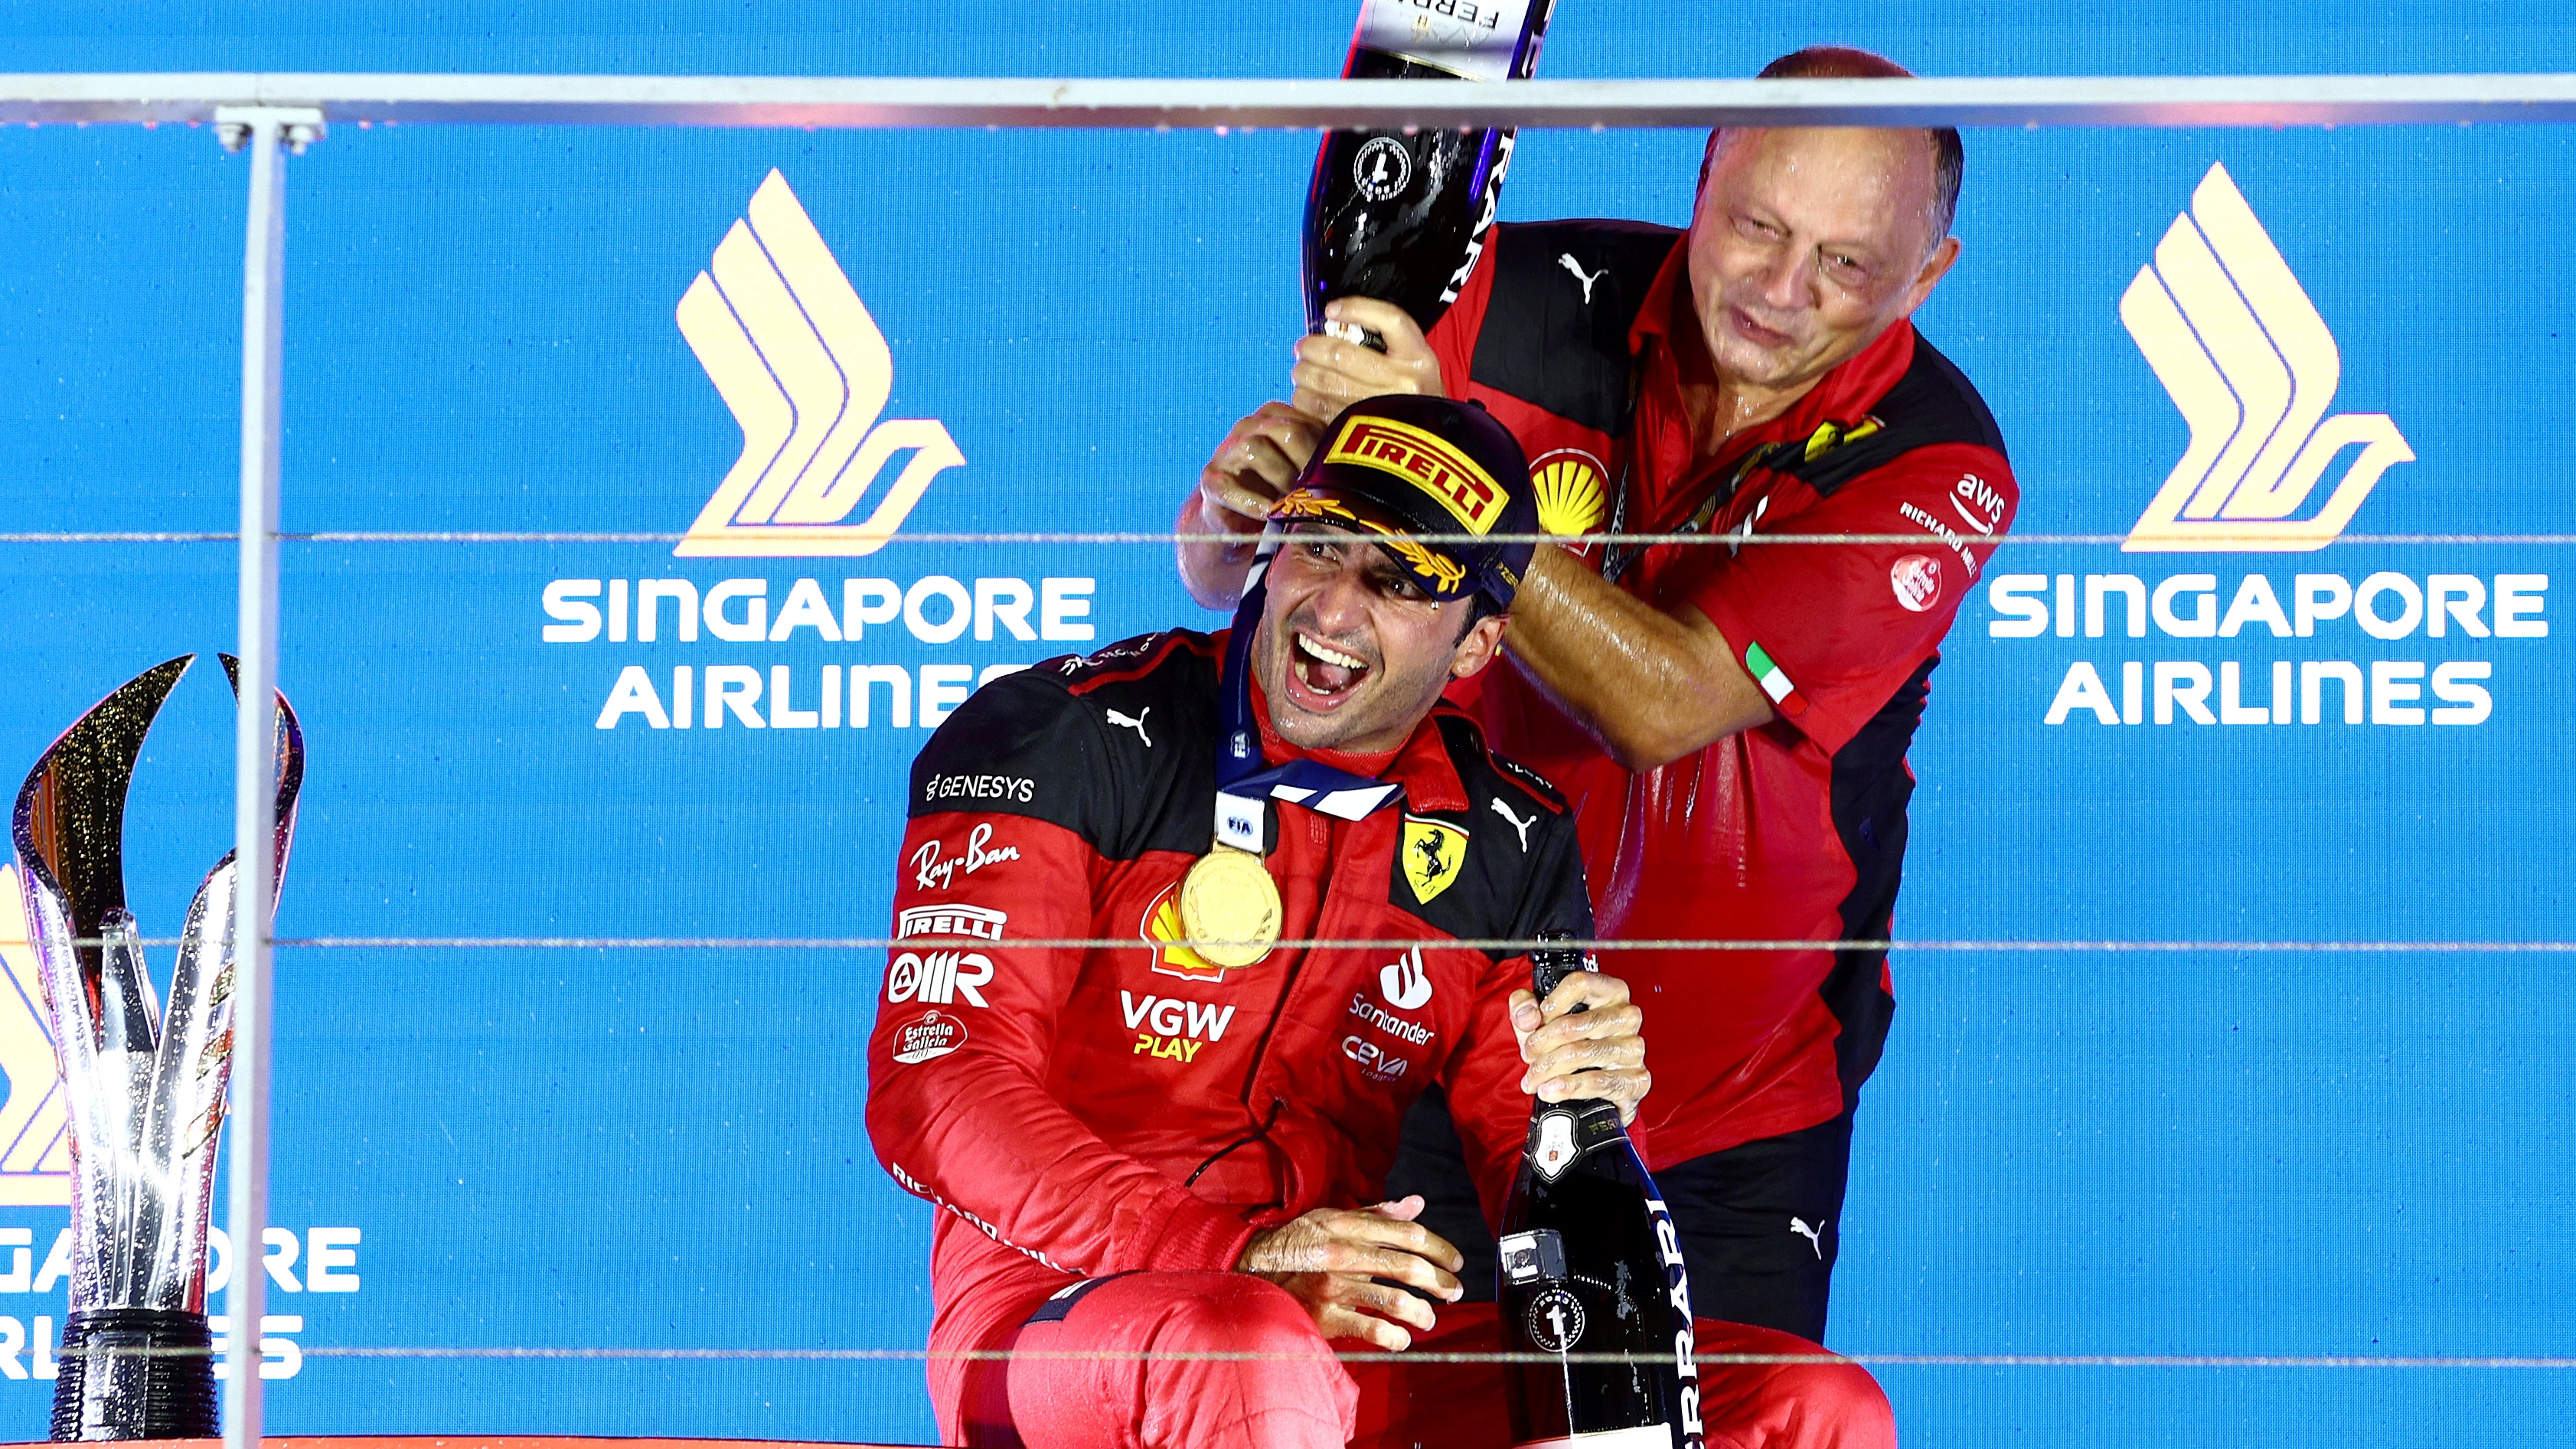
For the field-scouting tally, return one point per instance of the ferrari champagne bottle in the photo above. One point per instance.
(1591, 1284)
(1403, 217)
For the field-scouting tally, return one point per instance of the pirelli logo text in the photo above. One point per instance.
(943, 978)
(973, 922)
(1422, 459)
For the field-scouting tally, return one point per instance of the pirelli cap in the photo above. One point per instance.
(1402, 466)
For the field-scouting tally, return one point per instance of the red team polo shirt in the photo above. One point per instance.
(1794, 830)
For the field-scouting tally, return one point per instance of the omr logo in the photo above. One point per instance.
(795, 355)
(2234, 339)
(35, 1148)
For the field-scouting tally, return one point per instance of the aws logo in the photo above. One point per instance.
(35, 1149)
(2234, 339)
(795, 355)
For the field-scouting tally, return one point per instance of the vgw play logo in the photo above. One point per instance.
(795, 355)
(2234, 339)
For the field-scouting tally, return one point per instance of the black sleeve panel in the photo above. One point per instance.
(1020, 745)
(1557, 900)
(1933, 403)
(1521, 873)
(1118, 746)
(1564, 296)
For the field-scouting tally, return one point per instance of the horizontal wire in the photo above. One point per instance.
(1374, 943)
(2202, 541)
(1353, 943)
(1004, 1355)
(1245, 103)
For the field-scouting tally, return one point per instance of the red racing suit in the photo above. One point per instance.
(1092, 1111)
(1795, 830)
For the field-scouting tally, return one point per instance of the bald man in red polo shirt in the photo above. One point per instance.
(1730, 718)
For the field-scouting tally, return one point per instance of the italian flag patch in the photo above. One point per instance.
(1774, 682)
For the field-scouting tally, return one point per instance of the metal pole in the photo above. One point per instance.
(255, 740)
(254, 792)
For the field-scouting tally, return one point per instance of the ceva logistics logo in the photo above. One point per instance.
(795, 355)
(2236, 342)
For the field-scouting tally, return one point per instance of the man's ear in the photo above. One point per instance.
(1944, 253)
(1476, 647)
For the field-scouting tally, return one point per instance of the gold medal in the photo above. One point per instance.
(1230, 907)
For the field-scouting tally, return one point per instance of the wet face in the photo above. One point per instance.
(1352, 653)
(1807, 244)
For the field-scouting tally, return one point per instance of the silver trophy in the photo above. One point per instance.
(144, 1087)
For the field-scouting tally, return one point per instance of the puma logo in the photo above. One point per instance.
(1134, 722)
(1799, 1226)
(1518, 824)
(1580, 275)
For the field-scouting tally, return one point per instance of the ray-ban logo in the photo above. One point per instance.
(2233, 337)
(796, 356)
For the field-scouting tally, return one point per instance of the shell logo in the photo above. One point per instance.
(1568, 485)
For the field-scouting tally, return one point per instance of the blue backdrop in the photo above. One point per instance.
(2066, 1152)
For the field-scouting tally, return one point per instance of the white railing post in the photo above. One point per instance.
(263, 131)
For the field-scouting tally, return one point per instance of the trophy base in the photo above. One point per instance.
(128, 1373)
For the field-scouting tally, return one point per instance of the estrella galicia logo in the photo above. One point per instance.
(795, 355)
(2234, 339)
(35, 1148)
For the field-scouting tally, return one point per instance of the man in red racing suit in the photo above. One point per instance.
(1161, 1175)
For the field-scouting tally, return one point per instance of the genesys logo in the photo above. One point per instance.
(2251, 366)
(794, 354)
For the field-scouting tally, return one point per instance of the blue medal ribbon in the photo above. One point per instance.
(1243, 784)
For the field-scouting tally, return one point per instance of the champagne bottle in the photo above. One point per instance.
(1403, 217)
(1591, 1277)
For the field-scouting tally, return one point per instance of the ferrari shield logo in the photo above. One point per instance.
(1432, 854)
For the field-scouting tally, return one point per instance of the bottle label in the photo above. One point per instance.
(1474, 38)
(1555, 1321)
(1668, 1246)
(1552, 1148)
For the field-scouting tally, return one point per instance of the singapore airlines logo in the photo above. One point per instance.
(2233, 337)
(802, 365)
(35, 1152)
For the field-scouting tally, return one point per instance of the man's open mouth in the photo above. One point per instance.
(1322, 675)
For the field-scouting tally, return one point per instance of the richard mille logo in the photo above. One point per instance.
(796, 356)
(2234, 339)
